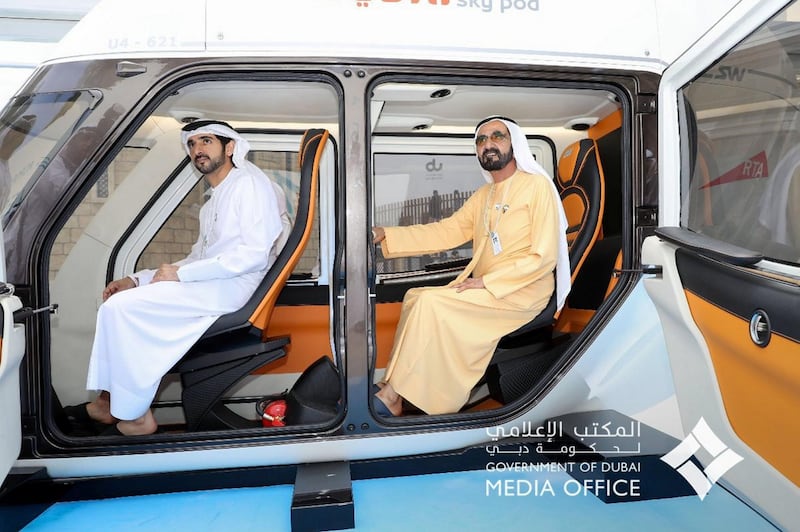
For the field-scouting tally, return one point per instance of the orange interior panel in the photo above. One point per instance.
(760, 387)
(573, 320)
(309, 328)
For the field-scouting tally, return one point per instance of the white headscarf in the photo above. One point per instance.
(240, 148)
(527, 163)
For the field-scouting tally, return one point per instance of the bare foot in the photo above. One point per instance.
(100, 409)
(391, 399)
(140, 426)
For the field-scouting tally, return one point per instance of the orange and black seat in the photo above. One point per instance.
(237, 343)
(581, 186)
(593, 238)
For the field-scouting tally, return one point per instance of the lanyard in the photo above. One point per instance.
(501, 207)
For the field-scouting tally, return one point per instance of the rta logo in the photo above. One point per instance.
(679, 458)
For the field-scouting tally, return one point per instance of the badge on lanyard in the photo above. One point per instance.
(496, 247)
(501, 209)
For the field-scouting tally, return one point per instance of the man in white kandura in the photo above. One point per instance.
(447, 334)
(142, 333)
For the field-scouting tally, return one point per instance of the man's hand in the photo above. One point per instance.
(378, 235)
(166, 272)
(117, 286)
(469, 283)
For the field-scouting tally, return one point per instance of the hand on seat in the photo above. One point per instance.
(469, 283)
(118, 286)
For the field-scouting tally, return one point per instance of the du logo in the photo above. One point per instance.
(679, 458)
(432, 166)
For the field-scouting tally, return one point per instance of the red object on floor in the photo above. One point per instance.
(274, 413)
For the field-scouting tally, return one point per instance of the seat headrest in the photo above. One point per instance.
(573, 159)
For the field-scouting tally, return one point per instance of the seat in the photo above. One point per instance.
(237, 344)
(581, 187)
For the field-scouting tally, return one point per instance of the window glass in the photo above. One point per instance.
(35, 164)
(423, 150)
(419, 189)
(169, 224)
(741, 143)
(175, 238)
(106, 186)
(33, 128)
